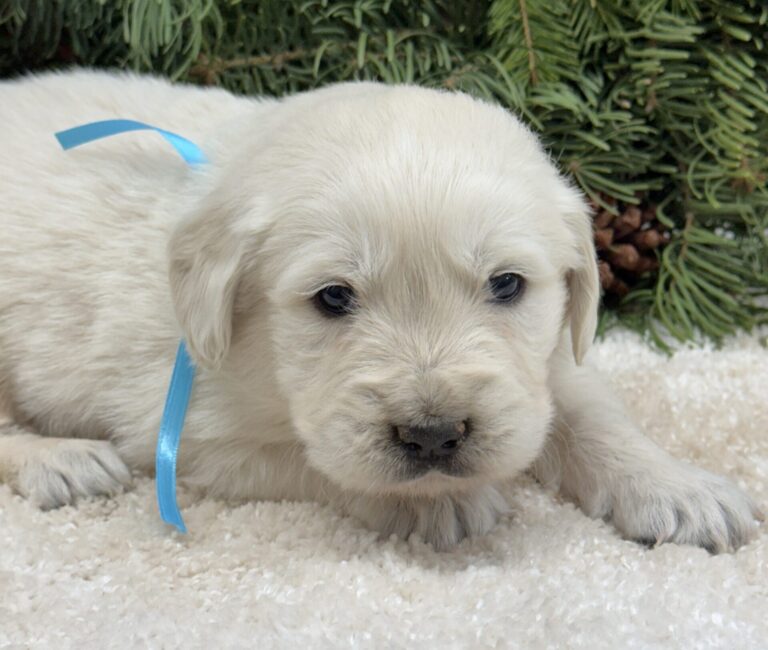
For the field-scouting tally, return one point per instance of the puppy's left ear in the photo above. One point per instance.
(583, 284)
(206, 254)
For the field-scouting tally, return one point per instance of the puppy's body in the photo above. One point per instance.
(88, 332)
(413, 199)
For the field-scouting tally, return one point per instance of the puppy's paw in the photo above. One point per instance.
(441, 521)
(58, 471)
(689, 506)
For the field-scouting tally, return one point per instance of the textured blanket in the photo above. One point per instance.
(298, 575)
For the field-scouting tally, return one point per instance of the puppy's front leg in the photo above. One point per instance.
(53, 472)
(441, 521)
(598, 457)
(281, 471)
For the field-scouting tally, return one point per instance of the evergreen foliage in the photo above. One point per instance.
(652, 102)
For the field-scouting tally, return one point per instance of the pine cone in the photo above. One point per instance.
(627, 244)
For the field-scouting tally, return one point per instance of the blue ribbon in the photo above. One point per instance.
(85, 133)
(176, 403)
(180, 389)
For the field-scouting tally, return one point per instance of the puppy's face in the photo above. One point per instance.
(413, 277)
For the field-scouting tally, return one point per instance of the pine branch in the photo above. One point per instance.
(528, 42)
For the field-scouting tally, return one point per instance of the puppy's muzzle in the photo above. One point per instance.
(432, 443)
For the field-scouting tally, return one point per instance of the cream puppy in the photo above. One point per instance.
(388, 292)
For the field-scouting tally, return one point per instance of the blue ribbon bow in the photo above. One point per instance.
(180, 388)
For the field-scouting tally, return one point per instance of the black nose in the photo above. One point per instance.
(440, 439)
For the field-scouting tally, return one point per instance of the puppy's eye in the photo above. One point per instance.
(506, 287)
(334, 300)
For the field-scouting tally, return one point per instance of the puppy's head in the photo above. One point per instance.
(404, 261)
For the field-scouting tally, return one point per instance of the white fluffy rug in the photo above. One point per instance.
(289, 575)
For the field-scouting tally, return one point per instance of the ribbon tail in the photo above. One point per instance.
(169, 437)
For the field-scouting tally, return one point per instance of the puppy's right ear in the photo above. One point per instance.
(205, 262)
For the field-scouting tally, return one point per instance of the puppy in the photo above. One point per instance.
(387, 290)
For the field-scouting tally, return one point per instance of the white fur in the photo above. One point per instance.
(112, 252)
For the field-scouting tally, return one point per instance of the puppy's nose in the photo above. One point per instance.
(440, 439)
